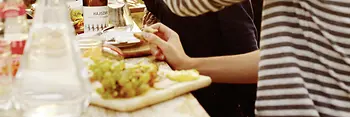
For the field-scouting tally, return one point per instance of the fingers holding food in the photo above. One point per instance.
(163, 32)
(157, 53)
(150, 30)
(138, 35)
(154, 39)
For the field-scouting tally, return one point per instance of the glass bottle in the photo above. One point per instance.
(95, 15)
(52, 81)
(16, 24)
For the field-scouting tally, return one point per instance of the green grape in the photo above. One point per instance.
(137, 70)
(134, 67)
(108, 61)
(116, 75)
(108, 83)
(98, 73)
(96, 60)
(143, 88)
(122, 64)
(145, 78)
(137, 73)
(144, 68)
(100, 90)
(106, 96)
(92, 67)
(123, 81)
(117, 66)
(132, 76)
(105, 66)
(128, 74)
(109, 90)
(135, 83)
(131, 93)
(152, 68)
(133, 79)
(115, 94)
(119, 81)
(108, 75)
(128, 86)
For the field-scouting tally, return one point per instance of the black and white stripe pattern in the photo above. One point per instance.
(197, 7)
(305, 59)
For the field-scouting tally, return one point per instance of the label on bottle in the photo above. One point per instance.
(17, 47)
(9, 9)
(18, 41)
(16, 27)
(95, 18)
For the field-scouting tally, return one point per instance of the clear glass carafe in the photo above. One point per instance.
(51, 80)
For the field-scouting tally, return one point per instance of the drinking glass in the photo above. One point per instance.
(119, 15)
(90, 45)
(5, 77)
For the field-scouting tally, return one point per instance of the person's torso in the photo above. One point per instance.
(230, 31)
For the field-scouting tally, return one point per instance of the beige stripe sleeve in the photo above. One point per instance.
(197, 7)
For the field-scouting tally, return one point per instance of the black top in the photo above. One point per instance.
(227, 32)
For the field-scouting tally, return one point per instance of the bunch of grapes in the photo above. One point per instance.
(121, 82)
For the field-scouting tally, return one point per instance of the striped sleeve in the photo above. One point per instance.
(197, 7)
(304, 68)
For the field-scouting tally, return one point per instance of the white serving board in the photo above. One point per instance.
(153, 96)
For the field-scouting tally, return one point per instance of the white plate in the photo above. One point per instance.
(119, 37)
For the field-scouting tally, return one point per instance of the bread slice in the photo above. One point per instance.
(137, 51)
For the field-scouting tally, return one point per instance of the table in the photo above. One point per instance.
(136, 9)
(182, 106)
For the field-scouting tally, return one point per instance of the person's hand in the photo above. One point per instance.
(167, 46)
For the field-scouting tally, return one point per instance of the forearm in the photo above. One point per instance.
(238, 69)
(197, 7)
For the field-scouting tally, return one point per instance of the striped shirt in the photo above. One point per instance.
(305, 55)
(305, 59)
(197, 7)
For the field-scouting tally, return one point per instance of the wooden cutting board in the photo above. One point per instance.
(171, 90)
